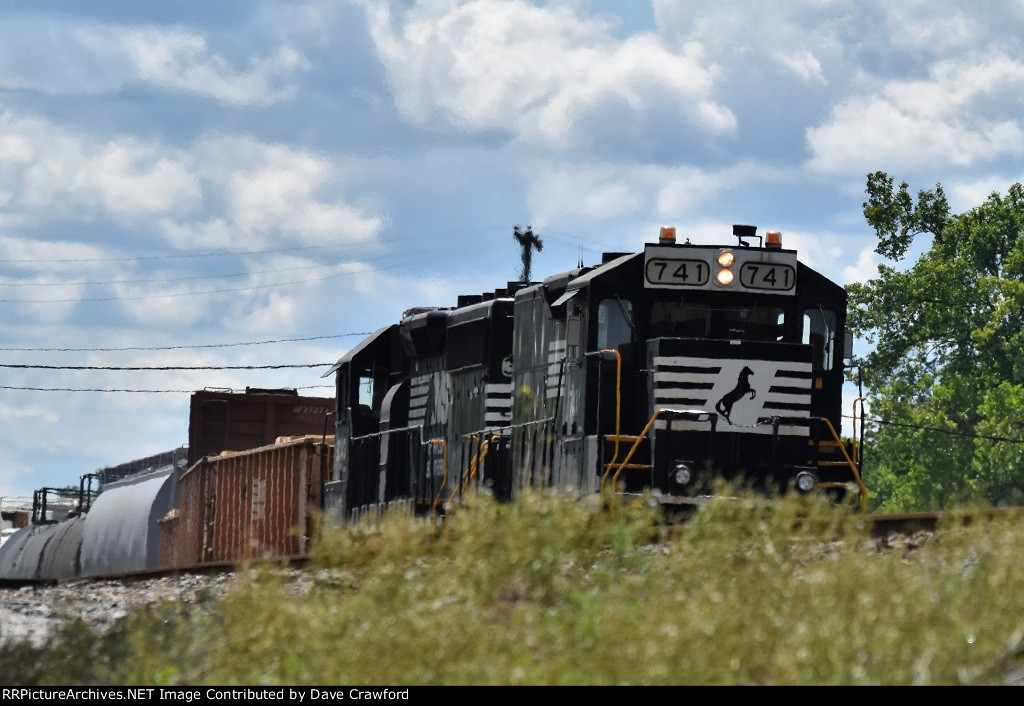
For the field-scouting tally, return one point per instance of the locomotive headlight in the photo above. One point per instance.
(683, 474)
(724, 276)
(806, 481)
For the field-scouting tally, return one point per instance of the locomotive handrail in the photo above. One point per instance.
(858, 402)
(481, 453)
(853, 466)
(861, 488)
(444, 478)
(642, 435)
(385, 432)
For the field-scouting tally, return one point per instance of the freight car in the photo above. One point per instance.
(657, 372)
(235, 510)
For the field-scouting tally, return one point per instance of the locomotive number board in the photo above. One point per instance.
(696, 267)
(677, 272)
(762, 275)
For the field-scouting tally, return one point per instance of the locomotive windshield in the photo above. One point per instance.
(747, 323)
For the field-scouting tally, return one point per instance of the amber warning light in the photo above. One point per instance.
(668, 235)
(773, 239)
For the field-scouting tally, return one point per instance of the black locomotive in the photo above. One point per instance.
(653, 372)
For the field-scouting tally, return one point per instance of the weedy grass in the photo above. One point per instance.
(553, 590)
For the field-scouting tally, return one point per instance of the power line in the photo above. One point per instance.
(163, 367)
(184, 347)
(232, 253)
(948, 432)
(186, 294)
(93, 389)
(222, 253)
(183, 279)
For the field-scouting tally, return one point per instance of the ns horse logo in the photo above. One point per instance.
(742, 389)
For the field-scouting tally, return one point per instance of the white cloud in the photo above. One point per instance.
(683, 189)
(738, 36)
(272, 314)
(542, 74)
(277, 192)
(164, 305)
(212, 234)
(864, 269)
(961, 115)
(27, 414)
(965, 195)
(802, 63)
(43, 52)
(937, 30)
(564, 191)
(575, 191)
(819, 250)
(62, 255)
(51, 304)
(52, 169)
(182, 61)
(274, 307)
(270, 191)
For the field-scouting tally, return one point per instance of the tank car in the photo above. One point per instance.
(658, 371)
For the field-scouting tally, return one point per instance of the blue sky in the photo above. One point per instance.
(179, 175)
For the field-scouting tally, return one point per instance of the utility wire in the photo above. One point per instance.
(178, 256)
(948, 432)
(163, 367)
(184, 279)
(494, 228)
(188, 294)
(178, 348)
(88, 389)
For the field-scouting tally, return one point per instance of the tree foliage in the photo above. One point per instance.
(946, 376)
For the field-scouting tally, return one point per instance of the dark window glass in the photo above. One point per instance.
(820, 332)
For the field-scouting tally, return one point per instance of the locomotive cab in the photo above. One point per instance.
(364, 380)
(744, 369)
(666, 369)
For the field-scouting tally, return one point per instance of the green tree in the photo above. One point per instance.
(946, 376)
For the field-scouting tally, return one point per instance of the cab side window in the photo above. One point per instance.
(819, 330)
(613, 323)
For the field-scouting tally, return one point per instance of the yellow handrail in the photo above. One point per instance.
(629, 456)
(842, 447)
(860, 401)
(853, 467)
(444, 480)
(461, 488)
(484, 450)
(478, 458)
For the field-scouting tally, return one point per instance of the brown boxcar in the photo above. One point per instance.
(254, 504)
(231, 421)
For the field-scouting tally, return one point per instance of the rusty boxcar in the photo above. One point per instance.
(231, 421)
(253, 504)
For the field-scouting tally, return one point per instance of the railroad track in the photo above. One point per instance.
(882, 526)
(910, 522)
(208, 568)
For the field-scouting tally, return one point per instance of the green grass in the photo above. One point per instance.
(549, 590)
